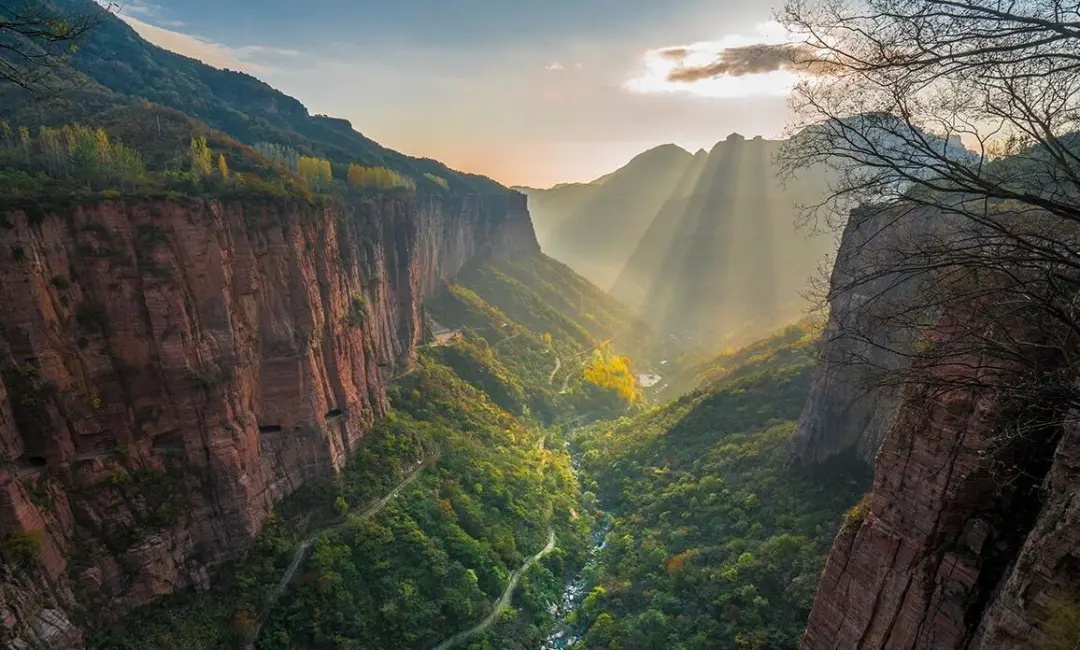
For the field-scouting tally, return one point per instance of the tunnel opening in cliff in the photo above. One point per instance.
(271, 428)
(334, 414)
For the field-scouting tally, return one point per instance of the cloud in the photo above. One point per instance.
(749, 60)
(248, 58)
(554, 66)
(767, 63)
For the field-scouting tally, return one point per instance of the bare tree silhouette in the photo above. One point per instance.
(36, 39)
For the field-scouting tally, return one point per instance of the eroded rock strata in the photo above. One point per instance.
(172, 369)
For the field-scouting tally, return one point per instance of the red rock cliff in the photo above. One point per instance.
(971, 536)
(173, 369)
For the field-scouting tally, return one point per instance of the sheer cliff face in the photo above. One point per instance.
(851, 402)
(172, 370)
(956, 502)
(970, 537)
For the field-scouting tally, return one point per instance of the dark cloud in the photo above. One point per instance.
(750, 59)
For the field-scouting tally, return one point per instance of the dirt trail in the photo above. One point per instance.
(555, 370)
(302, 549)
(504, 600)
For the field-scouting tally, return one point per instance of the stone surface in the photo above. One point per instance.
(1044, 580)
(852, 402)
(954, 500)
(171, 370)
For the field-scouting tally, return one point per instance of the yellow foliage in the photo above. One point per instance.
(611, 371)
(200, 156)
(315, 172)
(438, 180)
(378, 178)
(223, 167)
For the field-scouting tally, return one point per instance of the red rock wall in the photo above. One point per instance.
(954, 500)
(173, 369)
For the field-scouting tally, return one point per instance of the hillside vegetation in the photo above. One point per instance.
(114, 70)
(715, 543)
(476, 424)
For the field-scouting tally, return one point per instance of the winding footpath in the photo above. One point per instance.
(302, 549)
(504, 600)
(555, 370)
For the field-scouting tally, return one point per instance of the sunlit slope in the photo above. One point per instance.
(724, 260)
(594, 227)
(529, 327)
(715, 544)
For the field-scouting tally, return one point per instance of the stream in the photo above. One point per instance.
(565, 633)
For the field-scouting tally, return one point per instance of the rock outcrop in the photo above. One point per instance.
(852, 401)
(1038, 605)
(969, 539)
(172, 369)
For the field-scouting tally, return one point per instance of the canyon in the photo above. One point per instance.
(968, 538)
(172, 369)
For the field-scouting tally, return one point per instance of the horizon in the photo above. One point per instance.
(574, 101)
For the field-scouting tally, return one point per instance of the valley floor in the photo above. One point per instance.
(464, 521)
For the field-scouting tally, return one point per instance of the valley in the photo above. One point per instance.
(268, 384)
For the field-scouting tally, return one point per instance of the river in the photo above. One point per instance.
(565, 633)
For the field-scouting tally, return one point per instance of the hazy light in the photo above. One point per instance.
(659, 64)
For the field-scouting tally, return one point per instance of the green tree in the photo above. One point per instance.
(201, 157)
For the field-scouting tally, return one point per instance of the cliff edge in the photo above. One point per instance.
(172, 368)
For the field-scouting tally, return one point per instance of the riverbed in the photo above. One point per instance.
(566, 632)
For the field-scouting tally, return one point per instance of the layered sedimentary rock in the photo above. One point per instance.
(172, 369)
(956, 547)
(854, 396)
(1038, 606)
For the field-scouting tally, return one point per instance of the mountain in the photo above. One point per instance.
(718, 258)
(494, 486)
(594, 226)
(968, 538)
(208, 352)
(114, 67)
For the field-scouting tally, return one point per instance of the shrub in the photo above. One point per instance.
(857, 514)
(358, 310)
(25, 545)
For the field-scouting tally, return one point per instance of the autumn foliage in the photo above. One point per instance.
(315, 172)
(379, 178)
(611, 371)
(82, 153)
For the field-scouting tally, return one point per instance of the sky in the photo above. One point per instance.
(527, 92)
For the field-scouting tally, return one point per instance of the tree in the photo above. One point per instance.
(379, 178)
(200, 157)
(967, 266)
(315, 172)
(223, 167)
(35, 40)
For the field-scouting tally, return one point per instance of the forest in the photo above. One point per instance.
(475, 442)
(715, 542)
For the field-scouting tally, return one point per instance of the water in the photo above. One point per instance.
(566, 633)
